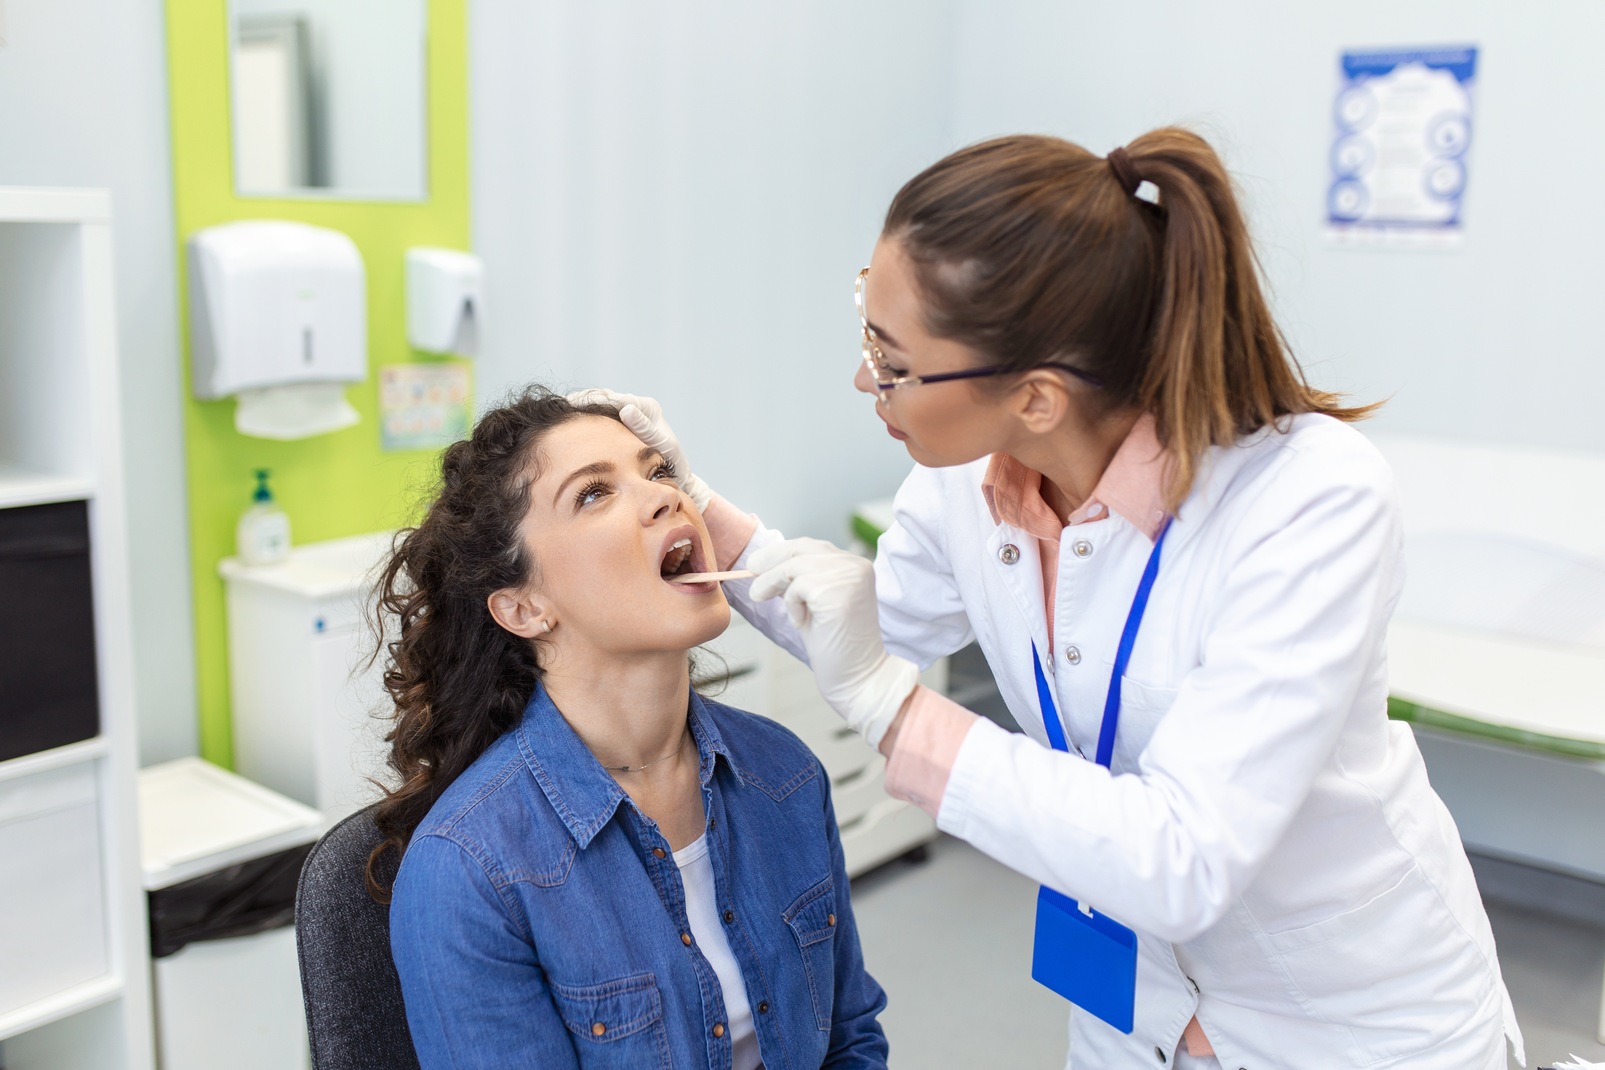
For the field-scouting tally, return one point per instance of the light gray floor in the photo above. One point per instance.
(950, 940)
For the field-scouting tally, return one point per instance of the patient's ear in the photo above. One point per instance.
(517, 612)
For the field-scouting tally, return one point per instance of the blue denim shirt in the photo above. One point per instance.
(538, 916)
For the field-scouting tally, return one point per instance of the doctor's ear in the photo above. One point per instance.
(1041, 401)
(518, 612)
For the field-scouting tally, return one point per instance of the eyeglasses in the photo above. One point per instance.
(886, 380)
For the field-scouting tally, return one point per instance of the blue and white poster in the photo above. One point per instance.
(1403, 129)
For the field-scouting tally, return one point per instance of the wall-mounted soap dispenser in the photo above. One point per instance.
(445, 301)
(278, 318)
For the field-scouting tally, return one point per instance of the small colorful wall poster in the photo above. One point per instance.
(1403, 129)
(424, 406)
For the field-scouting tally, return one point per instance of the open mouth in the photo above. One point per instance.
(681, 555)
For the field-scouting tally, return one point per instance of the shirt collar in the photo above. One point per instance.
(583, 793)
(1133, 485)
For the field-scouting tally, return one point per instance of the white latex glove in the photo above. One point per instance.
(830, 595)
(644, 416)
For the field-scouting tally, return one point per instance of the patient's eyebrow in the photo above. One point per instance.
(602, 468)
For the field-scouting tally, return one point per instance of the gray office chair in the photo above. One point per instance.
(355, 1018)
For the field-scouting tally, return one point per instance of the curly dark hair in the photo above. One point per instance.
(457, 678)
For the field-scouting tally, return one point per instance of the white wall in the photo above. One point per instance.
(83, 102)
(1497, 341)
(674, 199)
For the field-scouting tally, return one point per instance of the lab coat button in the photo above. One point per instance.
(1009, 554)
(1081, 548)
(1072, 654)
(1160, 1052)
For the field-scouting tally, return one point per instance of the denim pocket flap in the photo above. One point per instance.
(610, 1011)
(813, 916)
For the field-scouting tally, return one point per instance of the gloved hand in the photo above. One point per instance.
(644, 416)
(830, 595)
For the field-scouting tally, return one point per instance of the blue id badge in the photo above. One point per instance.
(1087, 958)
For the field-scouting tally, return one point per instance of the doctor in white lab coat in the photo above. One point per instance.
(1114, 444)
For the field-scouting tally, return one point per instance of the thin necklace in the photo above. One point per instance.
(678, 747)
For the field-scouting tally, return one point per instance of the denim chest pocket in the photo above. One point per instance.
(616, 1025)
(812, 920)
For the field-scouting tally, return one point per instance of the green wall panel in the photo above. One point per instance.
(331, 485)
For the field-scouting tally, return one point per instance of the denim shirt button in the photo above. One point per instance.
(660, 852)
(831, 921)
(718, 1029)
(598, 1029)
(763, 1006)
(729, 916)
(685, 938)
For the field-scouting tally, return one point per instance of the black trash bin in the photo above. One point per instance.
(239, 900)
(221, 857)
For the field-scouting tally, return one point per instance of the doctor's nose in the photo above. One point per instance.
(863, 383)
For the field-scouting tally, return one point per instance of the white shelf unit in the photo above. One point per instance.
(74, 949)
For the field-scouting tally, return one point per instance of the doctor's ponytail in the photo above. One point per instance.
(1035, 252)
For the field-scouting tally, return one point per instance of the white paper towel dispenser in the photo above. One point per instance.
(445, 301)
(278, 317)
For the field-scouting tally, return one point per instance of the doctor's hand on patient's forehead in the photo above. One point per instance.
(644, 417)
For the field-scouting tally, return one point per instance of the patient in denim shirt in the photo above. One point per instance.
(601, 868)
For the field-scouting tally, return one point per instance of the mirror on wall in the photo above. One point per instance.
(329, 98)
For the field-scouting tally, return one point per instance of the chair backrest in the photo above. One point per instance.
(355, 1017)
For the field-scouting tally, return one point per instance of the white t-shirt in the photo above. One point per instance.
(702, 910)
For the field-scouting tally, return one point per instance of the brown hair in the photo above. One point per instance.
(458, 679)
(1030, 250)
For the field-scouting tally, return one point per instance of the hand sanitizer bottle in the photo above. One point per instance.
(263, 537)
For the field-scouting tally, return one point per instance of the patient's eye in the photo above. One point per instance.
(590, 493)
(663, 471)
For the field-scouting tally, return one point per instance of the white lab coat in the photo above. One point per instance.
(1267, 831)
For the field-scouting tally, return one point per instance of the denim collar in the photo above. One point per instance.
(582, 792)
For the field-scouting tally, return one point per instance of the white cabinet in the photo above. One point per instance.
(310, 712)
(74, 951)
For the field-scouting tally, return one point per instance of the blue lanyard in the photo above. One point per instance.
(1128, 639)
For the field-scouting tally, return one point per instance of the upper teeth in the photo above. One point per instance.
(675, 558)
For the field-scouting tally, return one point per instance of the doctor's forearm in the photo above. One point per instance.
(921, 747)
